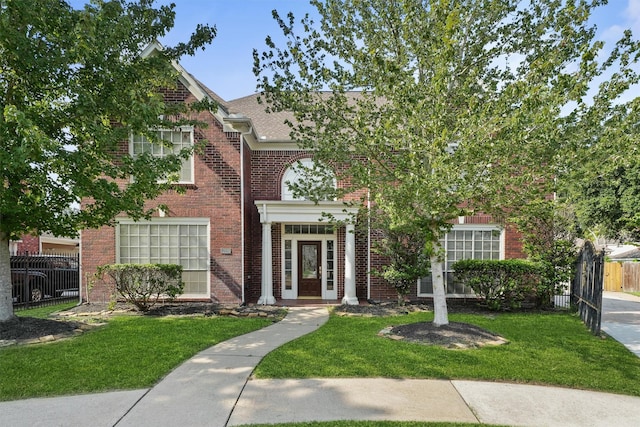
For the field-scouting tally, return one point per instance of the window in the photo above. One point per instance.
(464, 243)
(308, 229)
(311, 177)
(288, 266)
(179, 138)
(169, 242)
(330, 265)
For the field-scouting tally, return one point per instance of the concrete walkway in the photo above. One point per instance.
(621, 319)
(215, 388)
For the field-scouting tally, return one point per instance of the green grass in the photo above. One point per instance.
(554, 349)
(129, 352)
(135, 352)
(44, 312)
(635, 293)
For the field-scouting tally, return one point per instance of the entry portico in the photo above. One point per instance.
(309, 249)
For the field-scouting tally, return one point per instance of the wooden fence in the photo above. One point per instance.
(622, 276)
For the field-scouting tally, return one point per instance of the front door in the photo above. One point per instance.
(310, 269)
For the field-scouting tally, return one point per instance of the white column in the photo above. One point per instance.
(350, 267)
(267, 266)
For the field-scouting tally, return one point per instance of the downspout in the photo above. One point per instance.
(243, 126)
(368, 245)
(242, 219)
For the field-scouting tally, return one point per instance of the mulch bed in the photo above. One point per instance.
(30, 330)
(455, 335)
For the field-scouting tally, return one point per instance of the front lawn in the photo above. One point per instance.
(135, 352)
(130, 352)
(547, 348)
(44, 312)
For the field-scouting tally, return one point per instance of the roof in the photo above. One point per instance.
(271, 127)
(624, 252)
(244, 114)
(268, 126)
(629, 255)
(217, 98)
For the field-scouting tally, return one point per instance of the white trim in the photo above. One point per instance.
(469, 227)
(13, 246)
(187, 128)
(243, 124)
(185, 77)
(58, 240)
(275, 145)
(295, 238)
(266, 294)
(293, 175)
(173, 221)
(302, 211)
(350, 297)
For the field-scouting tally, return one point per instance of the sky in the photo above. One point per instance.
(226, 65)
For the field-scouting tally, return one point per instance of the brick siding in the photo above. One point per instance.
(216, 195)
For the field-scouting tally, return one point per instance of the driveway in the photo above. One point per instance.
(621, 319)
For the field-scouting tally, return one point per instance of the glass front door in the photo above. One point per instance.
(310, 269)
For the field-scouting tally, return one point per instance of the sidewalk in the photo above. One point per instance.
(214, 388)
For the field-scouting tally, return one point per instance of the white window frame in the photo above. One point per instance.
(294, 238)
(162, 148)
(292, 175)
(467, 227)
(180, 222)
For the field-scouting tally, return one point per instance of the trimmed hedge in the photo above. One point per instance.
(501, 284)
(143, 284)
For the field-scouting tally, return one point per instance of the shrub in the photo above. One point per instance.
(403, 243)
(501, 284)
(144, 284)
(558, 270)
(548, 235)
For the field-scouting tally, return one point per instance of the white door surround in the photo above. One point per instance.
(328, 264)
(306, 212)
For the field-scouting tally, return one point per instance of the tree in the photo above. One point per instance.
(73, 87)
(599, 179)
(402, 242)
(549, 238)
(608, 203)
(440, 107)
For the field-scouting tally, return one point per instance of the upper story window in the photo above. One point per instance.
(179, 139)
(316, 181)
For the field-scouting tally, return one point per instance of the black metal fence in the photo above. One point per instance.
(586, 288)
(563, 301)
(44, 279)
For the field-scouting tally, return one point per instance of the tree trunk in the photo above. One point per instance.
(6, 301)
(440, 314)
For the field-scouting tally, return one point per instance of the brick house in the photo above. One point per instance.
(45, 243)
(239, 233)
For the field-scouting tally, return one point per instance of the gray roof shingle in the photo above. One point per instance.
(268, 126)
